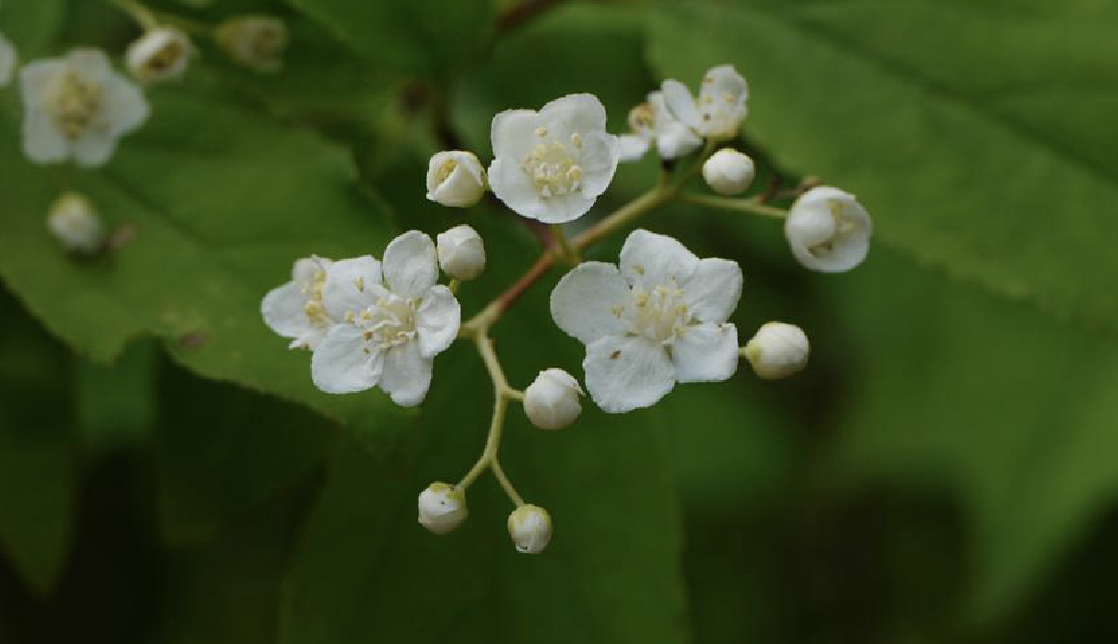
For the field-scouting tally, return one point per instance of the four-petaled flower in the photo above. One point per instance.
(653, 122)
(551, 165)
(658, 319)
(393, 320)
(295, 310)
(720, 108)
(77, 106)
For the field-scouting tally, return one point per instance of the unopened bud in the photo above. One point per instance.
(728, 172)
(828, 230)
(442, 508)
(551, 401)
(461, 253)
(75, 224)
(777, 350)
(253, 41)
(455, 179)
(160, 54)
(530, 528)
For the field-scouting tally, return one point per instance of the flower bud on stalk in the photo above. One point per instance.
(777, 350)
(828, 230)
(161, 54)
(75, 224)
(442, 508)
(551, 401)
(728, 172)
(455, 179)
(461, 253)
(255, 42)
(530, 528)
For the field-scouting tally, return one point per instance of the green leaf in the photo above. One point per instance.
(32, 26)
(116, 403)
(1012, 410)
(995, 177)
(37, 449)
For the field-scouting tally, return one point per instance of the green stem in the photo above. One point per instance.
(570, 254)
(752, 205)
(139, 12)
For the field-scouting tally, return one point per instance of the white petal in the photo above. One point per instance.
(512, 133)
(713, 291)
(675, 140)
(631, 147)
(125, 105)
(705, 353)
(828, 230)
(284, 312)
(350, 286)
(584, 301)
(653, 260)
(724, 83)
(91, 64)
(340, 364)
(411, 264)
(563, 208)
(43, 142)
(598, 159)
(512, 185)
(627, 373)
(572, 113)
(407, 374)
(680, 102)
(437, 321)
(94, 149)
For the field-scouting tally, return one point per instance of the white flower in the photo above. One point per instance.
(551, 165)
(393, 323)
(828, 230)
(551, 401)
(253, 41)
(461, 253)
(530, 528)
(455, 179)
(77, 106)
(720, 108)
(728, 172)
(658, 320)
(8, 59)
(442, 508)
(75, 223)
(777, 350)
(652, 121)
(160, 54)
(295, 310)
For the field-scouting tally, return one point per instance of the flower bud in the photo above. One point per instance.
(442, 508)
(530, 528)
(777, 350)
(551, 401)
(255, 42)
(828, 230)
(461, 253)
(728, 172)
(161, 54)
(75, 224)
(455, 179)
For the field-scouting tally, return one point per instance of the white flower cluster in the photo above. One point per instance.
(369, 323)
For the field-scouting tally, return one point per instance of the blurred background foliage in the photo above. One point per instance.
(944, 470)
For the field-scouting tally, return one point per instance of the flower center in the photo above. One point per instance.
(166, 57)
(659, 314)
(73, 104)
(641, 118)
(551, 165)
(843, 226)
(390, 322)
(314, 309)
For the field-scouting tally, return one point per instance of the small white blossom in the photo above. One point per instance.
(551, 165)
(442, 508)
(728, 172)
(551, 401)
(75, 224)
(254, 41)
(653, 122)
(658, 320)
(455, 179)
(777, 350)
(160, 54)
(8, 59)
(77, 106)
(530, 528)
(461, 253)
(828, 230)
(295, 310)
(720, 108)
(394, 319)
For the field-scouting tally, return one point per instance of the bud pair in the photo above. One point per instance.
(442, 508)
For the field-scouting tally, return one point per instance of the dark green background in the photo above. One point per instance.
(944, 470)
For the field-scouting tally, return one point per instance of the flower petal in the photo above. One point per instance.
(713, 291)
(284, 311)
(572, 113)
(437, 321)
(675, 140)
(349, 286)
(512, 185)
(563, 208)
(705, 353)
(598, 159)
(723, 83)
(627, 373)
(340, 364)
(411, 264)
(125, 106)
(680, 102)
(631, 147)
(651, 260)
(583, 302)
(512, 133)
(407, 374)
